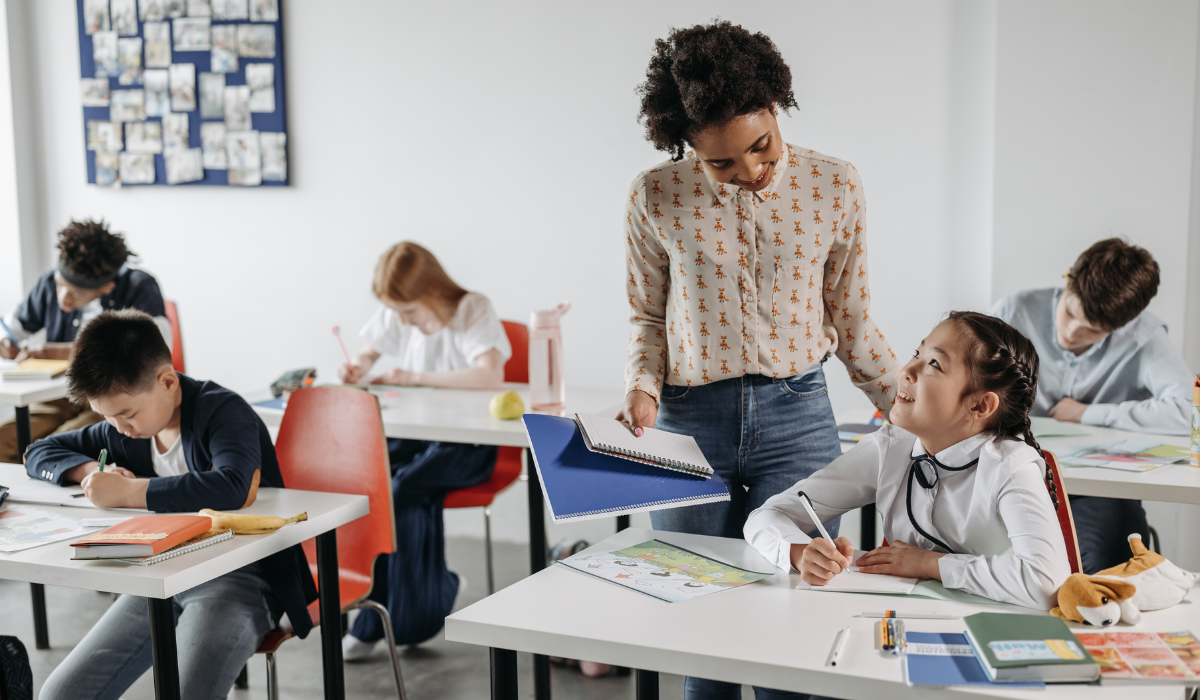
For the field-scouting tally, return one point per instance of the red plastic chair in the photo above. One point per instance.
(1065, 520)
(331, 439)
(176, 337)
(508, 462)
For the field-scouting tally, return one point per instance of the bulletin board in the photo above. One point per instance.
(183, 92)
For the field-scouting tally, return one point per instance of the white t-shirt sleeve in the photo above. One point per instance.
(479, 329)
(382, 332)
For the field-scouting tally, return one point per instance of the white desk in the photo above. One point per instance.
(765, 633)
(51, 564)
(461, 415)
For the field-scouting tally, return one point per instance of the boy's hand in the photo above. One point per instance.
(1068, 411)
(7, 350)
(820, 560)
(110, 490)
(27, 354)
(902, 559)
(639, 411)
(78, 474)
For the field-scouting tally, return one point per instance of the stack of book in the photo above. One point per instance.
(150, 539)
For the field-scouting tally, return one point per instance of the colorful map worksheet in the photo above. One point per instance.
(663, 571)
(1144, 656)
(22, 527)
(1128, 455)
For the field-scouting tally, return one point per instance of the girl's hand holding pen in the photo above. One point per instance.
(821, 560)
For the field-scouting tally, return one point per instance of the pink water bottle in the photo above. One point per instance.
(547, 388)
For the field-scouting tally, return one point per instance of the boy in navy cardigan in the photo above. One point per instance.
(177, 444)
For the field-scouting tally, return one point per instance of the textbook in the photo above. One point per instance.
(657, 448)
(579, 484)
(1145, 657)
(204, 539)
(1028, 648)
(944, 659)
(37, 369)
(141, 536)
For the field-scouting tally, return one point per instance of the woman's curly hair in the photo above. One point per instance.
(90, 250)
(707, 75)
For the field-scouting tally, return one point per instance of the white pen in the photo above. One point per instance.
(813, 514)
(909, 615)
(838, 643)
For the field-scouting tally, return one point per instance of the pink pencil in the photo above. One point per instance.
(337, 331)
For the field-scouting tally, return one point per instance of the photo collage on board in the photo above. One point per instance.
(183, 91)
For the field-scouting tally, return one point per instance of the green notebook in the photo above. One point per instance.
(1029, 648)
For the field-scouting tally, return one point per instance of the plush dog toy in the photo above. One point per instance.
(1145, 582)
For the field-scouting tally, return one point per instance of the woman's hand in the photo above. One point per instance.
(113, 490)
(820, 560)
(901, 559)
(639, 411)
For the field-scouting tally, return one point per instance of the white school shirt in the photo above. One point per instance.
(171, 462)
(473, 330)
(997, 516)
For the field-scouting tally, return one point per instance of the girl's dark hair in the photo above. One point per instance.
(1003, 361)
(707, 75)
(90, 250)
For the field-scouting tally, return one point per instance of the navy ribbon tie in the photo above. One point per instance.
(916, 471)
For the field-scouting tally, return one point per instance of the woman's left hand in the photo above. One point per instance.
(901, 559)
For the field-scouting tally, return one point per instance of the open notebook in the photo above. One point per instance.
(655, 447)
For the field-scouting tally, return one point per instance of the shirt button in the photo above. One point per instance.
(75, 323)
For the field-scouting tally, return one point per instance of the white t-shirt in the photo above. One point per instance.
(171, 462)
(473, 330)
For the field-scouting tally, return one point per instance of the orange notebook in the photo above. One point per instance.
(142, 536)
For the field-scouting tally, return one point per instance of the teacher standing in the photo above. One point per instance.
(746, 263)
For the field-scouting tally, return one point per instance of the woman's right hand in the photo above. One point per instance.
(639, 411)
(820, 560)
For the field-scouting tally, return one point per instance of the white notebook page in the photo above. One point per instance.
(611, 435)
(854, 581)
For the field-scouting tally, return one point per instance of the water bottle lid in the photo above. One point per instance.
(548, 318)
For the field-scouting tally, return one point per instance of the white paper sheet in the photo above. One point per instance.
(854, 581)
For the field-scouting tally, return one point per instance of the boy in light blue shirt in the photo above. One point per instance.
(1105, 361)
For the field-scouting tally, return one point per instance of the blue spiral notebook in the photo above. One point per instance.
(579, 484)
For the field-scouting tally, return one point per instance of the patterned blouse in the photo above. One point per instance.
(725, 282)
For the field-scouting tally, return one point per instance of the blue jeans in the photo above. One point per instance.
(414, 583)
(218, 627)
(762, 435)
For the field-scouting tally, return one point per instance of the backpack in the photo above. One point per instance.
(16, 677)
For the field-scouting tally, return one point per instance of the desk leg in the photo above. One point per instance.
(331, 614)
(647, 685)
(622, 522)
(162, 642)
(537, 562)
(41, 634)
(504, 674)
(868, 527)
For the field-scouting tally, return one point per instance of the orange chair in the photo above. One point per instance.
(176, 336)
(331, 440)
(508, 462)
(1065, 520)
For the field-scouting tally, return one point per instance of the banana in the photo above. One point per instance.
(248, 524)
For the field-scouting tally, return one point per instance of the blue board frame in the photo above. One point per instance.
(274, 122)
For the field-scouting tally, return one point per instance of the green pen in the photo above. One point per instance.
(103, 458)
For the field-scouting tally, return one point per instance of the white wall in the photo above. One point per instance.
(1095, 125)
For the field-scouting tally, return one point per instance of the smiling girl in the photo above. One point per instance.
(443, 336)
(958, 478)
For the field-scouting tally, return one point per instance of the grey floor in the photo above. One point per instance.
(436, 669)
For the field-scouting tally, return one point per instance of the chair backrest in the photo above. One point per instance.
(176, 336)
(1065, 520)
(331, 439)
(517, 367)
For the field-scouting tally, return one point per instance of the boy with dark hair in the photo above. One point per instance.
(177, 445)
(1106, 361)
(91, 276)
